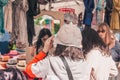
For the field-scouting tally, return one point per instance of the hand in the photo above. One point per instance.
(48, 44)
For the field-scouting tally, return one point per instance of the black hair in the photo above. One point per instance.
(79, 20)
(91, 39)
(42, 33)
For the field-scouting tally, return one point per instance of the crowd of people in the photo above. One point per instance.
(76, 52)
(88, 54)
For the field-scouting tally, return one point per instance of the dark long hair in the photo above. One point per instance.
(91, 39)
(42, 33)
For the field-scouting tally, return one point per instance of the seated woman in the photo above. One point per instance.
(108, 37)
(42, 37)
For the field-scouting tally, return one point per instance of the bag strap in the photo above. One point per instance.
(67, 68)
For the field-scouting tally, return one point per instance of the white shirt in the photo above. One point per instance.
(52, 68)
(103, 65)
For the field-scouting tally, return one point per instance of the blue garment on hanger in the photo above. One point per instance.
(4, 42)
(5, 37)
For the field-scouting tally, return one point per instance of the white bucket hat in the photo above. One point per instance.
(69, 35)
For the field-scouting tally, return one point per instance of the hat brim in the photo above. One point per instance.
(8, 65)
(21, 68)
(57, 41)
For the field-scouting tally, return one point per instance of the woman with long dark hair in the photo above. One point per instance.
(42, 37)
(97, 55)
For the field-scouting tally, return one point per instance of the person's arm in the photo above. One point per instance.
(37, 58)
(37, 66)
(113, 68)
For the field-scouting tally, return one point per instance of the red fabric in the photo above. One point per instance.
(41, 55)
(65, 10)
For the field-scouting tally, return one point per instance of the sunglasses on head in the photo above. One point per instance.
(101, 31)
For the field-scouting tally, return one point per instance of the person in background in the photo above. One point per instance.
(97, 56)
(44, 34)
(108, 37)
(68, 18)
(42, 37)
(80, 21)
(68, 40)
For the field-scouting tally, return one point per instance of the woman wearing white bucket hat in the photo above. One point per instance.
(53, 67)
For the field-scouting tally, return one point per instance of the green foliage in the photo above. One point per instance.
(37, 20)
(56, 28)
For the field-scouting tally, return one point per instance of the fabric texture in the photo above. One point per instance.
(115, 51)
(115, 16)
(69, 35)
(89, 6)
(108, 11)
(12, 74)
(4, 47)
(32, 4)
(2, 4)
(100, 9)
(103, 65)
(19, 32)
(55, 69)
(8, 16)
(5, 37)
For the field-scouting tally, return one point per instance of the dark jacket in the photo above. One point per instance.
(115, 51)
(30, 20)
(109, 6)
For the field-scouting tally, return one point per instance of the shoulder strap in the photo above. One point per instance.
(67, 68)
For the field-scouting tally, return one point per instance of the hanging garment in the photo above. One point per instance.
(4, 42)
(30, 21)
(108, 11)
(8, 16)
(19, 33)
(100, 11)
(2, 4)
(115, 16)
(89, 6)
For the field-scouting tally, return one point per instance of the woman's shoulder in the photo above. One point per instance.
(95, 51)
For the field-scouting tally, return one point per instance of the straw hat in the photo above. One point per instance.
(21, 65)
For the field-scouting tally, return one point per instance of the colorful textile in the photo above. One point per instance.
(100, 11)
(2, 4)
